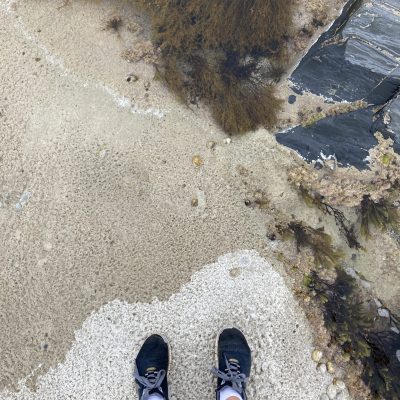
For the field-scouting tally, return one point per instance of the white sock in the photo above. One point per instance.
(156, 396)
(227, 392)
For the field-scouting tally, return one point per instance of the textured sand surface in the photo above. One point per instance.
(97, 181)
(240, 289)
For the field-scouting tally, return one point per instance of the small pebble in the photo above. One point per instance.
(346, 357)
(247, 202)
(43, 346)
(147, 85)
(316, 355)
(340, 384)
(378, 303)
(292, 99)
(321, 368)
(264, 366)
(47, 246)
(234, 272)
(195, 202)
(307, 299)
(318, 165)
(228, 140)
(331, 391)
(132, 78)
(341, 396)
(324, 397)
(197, 161)
(330, 367)
(211, 144)
(383, 313)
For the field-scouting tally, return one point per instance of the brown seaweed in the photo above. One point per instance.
(316, 240)
(346, 228)
(382, 215)
(225, 53)
(354, 325)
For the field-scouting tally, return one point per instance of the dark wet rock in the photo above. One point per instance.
(358, 57)
(389, 122)
(318, 165)
(292, 99)
(348, 137)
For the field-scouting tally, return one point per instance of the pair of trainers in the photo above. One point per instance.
(234, 364)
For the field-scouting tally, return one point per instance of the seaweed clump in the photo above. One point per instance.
(354, 325)
(226, 53)
(114, 23)
(382, 215)
(346, 228)
(319, 242)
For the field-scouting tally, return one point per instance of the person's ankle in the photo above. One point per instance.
(156, 396)
(228, 393)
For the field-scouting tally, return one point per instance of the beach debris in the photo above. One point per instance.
(211, 144)
(142, 51)
(194, 202)
(132, 78)
(23, 200)
(197, 161)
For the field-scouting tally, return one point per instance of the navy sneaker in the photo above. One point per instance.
(151, 370)
(234, 362)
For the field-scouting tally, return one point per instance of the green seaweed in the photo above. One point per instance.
(316, 240)
(225, 53)
(314, 119)
(353, 324)
(382, 215)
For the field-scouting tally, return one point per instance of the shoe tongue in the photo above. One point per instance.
(151, 374)
(234, 364)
